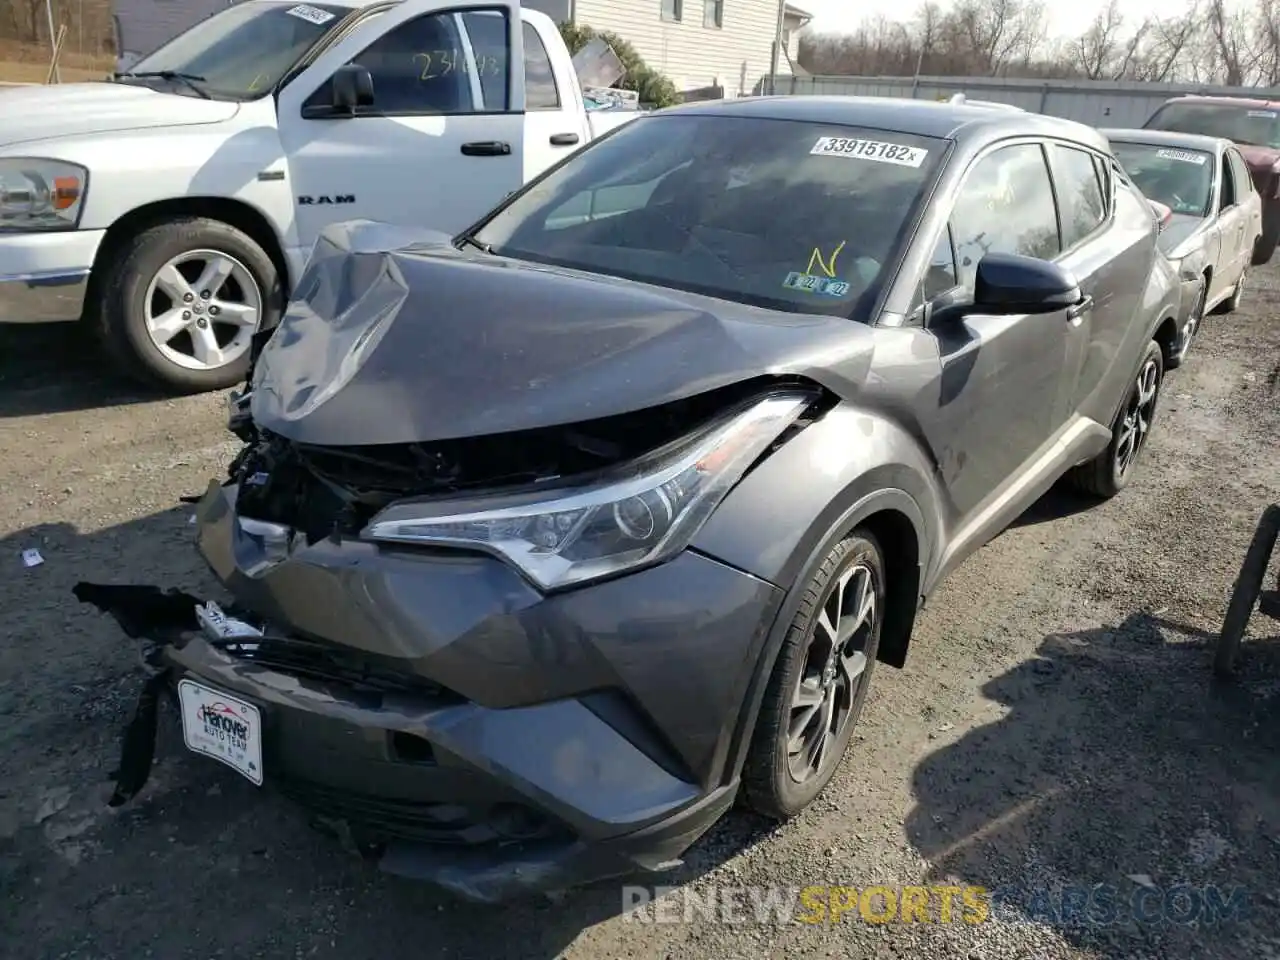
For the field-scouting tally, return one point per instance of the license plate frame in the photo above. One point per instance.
(222, 726)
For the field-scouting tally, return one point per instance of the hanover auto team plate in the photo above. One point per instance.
(223, 727)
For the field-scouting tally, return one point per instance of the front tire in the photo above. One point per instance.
(819, 682)
(182, 302)
(1108, 473)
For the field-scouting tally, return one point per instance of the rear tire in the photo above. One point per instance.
(1108, 473)
(141, 304)
(1232, 303)
(1264, 248)
(818, 687)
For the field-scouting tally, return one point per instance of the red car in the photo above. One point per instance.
(1254, 126)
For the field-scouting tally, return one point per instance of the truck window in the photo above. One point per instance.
(421, 67)
(540, 91)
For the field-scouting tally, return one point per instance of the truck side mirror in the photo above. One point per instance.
(352, 88)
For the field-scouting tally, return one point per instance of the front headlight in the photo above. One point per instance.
(40, 194)
(640, 514)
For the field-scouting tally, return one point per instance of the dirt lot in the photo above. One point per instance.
(29, 63)
(1055, 728)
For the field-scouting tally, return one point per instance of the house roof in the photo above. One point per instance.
(791, 10)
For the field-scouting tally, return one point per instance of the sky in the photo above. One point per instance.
(1067, 18)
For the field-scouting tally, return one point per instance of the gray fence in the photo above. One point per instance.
(1099, 103)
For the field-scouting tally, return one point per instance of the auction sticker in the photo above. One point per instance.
(809, 283)
(876, 150)
(1263, 114)
(311, 14)
(1185, 156)
(223, 727)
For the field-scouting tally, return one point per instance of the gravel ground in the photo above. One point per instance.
(1055, 729)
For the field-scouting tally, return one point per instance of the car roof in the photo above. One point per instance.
(1225, 101)
(1166, 138)
(926, 118)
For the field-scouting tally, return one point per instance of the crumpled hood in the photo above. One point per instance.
(396, 337)
(1181, 235)
(76, 109)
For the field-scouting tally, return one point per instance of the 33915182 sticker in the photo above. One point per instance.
(1185, 156)
(878, 151)
(311, 14)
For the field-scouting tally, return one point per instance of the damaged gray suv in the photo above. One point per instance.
(552, 540)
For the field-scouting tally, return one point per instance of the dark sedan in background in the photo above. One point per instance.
(550, 541)
(1215, 220)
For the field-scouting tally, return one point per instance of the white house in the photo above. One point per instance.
(697, 43)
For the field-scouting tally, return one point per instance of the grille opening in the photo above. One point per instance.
(410, 748)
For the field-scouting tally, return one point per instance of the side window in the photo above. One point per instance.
(941, 275)
(1079, 193)
(487, 31)
(1104, 180)
(1228, 197)
(1005, 206)
(1240, 172)
(540, 91)
(422, 68)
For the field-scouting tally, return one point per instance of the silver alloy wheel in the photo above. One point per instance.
(1137, 416)
(202, 308)
(835, 663)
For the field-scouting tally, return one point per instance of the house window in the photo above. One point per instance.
(713, 13)
(673, 10)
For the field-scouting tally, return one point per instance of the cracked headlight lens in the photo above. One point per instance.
(639, 514)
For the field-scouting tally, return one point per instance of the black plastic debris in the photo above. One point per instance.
(159, 619)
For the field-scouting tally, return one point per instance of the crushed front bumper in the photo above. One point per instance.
(471, 731)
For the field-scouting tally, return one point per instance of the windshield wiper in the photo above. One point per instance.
(470, 241)
(190, 79)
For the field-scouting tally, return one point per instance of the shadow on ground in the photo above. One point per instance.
(1123, 782)
(201, 863)
(58, 368)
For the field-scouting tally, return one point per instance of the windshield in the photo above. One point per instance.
(242, 52)
(1241, 123)
(795, 216)
(1180, 179)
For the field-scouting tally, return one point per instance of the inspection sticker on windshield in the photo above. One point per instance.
(310, 14)
(1186, 157)
(822, 286)
(1263, 114)
(877, 150)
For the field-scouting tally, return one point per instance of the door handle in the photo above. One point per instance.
(563, 139)
(486, 148)
(1078, 310)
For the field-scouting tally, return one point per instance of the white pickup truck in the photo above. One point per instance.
(173, 206)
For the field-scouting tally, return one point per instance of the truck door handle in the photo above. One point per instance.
(563, 139)
(1078, 310)
(486, 148)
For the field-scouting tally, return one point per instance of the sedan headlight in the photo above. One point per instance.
(40, 194)
(639, 514)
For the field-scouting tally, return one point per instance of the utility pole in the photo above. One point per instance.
(777, 47)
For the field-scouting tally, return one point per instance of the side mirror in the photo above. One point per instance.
(352, 88)
(1008, 284)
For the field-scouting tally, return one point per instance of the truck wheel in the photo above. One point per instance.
(182, 301)
(1108, 473)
